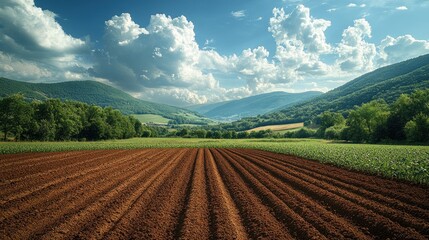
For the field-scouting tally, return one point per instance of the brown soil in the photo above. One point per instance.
(201, 194)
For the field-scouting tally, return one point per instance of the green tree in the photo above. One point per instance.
(182, 133)
(417, 130)
(404, 110)
(242, 135)
(217, 134)
(327, 120)
(96, 127)
(368, 122)
(15, 115)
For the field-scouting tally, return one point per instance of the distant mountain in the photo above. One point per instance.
(252, 106)
(384, 83)
(90, 92)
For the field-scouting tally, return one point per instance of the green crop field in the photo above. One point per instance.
(151, 118)
(409, 163)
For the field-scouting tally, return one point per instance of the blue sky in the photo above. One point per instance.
(190, 52)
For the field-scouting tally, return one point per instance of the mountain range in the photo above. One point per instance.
(277, 107)
(252, 106)
(384, 83)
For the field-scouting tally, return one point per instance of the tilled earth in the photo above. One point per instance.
(201, 194)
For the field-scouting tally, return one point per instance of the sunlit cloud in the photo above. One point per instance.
(239, 14)
(402, 8)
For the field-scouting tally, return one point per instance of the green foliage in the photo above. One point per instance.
(386, 83)
(417, 130)
(54, 120)
(301, 133)
(392, 161)
(15, 116)
(93, 93)
(405, 109)
(368, 122)
(327, 120)
(334, 132)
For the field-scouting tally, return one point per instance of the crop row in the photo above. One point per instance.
(409, 163)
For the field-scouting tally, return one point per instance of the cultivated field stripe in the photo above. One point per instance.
(31, 199)
(57, 203)
(95, 219)
(296, 224)
(201, 194)
(257, 217)
(27, 158)
(149, 217)
(27, 185)
(227, 221)
(197, 211)
(382, 210)
(324, 221)
(372, 198)
(390, 189)
(377, 225)
(44, 164)
(70, 164)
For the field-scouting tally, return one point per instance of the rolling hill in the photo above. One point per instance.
(384, 83)
(90, 92)
(252, 106)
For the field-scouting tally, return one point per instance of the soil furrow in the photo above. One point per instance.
(201, 194)
(326, 222)
(257, 217)
(298, 226)
(45, 162)
(95, 219)
(155, 215)
(226, 218)
(26, 190)
(372, 184)
(57, 205)
(29, 170)
(90, 158)
(365, 218)
(24, 158)
(197, 213)
(404, 219)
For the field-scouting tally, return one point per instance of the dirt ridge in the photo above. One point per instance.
(190, 193)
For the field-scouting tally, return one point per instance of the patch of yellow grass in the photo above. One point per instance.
(278, 127)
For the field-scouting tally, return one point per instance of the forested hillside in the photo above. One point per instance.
(56, 120)
(386, 83)
(90, 92)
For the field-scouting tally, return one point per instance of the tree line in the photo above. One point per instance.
(56, 120)
(406, 119)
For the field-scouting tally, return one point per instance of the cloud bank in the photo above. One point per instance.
(163, 62)
(34, 46)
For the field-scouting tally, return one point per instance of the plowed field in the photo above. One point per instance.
(201, 194)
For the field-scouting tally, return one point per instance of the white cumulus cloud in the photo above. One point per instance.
(355, 53)
(392, 50)
(31, 37)
(300, 40)
(402, 8)
(165, 54)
